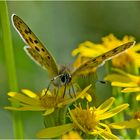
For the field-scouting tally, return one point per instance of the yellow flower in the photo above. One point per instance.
(89, 50)
(129, 82)
(46, 102)
(89, 120)
(133, 124)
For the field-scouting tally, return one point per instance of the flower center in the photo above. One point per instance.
(86, 118)
(50, 100)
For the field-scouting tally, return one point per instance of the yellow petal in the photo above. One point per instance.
(88, 97)
(30, 93)
(108, 136)
(113, 112)
(138, 97)
(117, 78)
(78, 95)
(104, 126)
(132, 78)
(106, 105)
(24, 99)
(89, 49)
(26, 108)
(120, 84)
(48, 111)
(135, 89)
(136, 47)
(138, 131)
(134, 123)
(54, 132)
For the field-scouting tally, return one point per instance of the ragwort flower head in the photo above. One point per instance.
(90, 49)
(129, 82)
(46, 101)
(89, 120)
(133, 123)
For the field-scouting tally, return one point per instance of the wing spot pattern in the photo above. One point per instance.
(127, 46)
(37, 49)
(115, 50)
(35, 41)
(30, 39)
(18, 26)
(27, 31)
(27, 41)
(85, 64)
(43, 49)
(103, 56)
(94, 60)
(49, 57)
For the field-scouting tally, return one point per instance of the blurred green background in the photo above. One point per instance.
(61, 26)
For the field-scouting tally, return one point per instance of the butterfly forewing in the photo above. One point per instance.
(35, 48)
(97, 61)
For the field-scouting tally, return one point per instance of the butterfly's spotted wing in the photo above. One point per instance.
(97, 61)
(35, 48)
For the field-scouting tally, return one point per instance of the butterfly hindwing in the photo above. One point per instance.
(35, 48)
(97, 61)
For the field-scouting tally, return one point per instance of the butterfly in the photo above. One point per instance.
(59, 75)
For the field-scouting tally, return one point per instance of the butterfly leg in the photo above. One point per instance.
(53, 79)
(70, 93)
(48, 87)
(64, 89)
(57, 91)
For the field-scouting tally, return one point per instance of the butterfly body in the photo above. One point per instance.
(59, 75)
(63, 78)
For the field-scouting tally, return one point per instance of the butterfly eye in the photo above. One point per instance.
(66, 78)
(63, 78)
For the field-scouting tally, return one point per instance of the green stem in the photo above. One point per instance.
(58, 117)
(10, 64)
(116, 92)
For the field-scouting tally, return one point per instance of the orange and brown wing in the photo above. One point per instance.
(35, 49)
